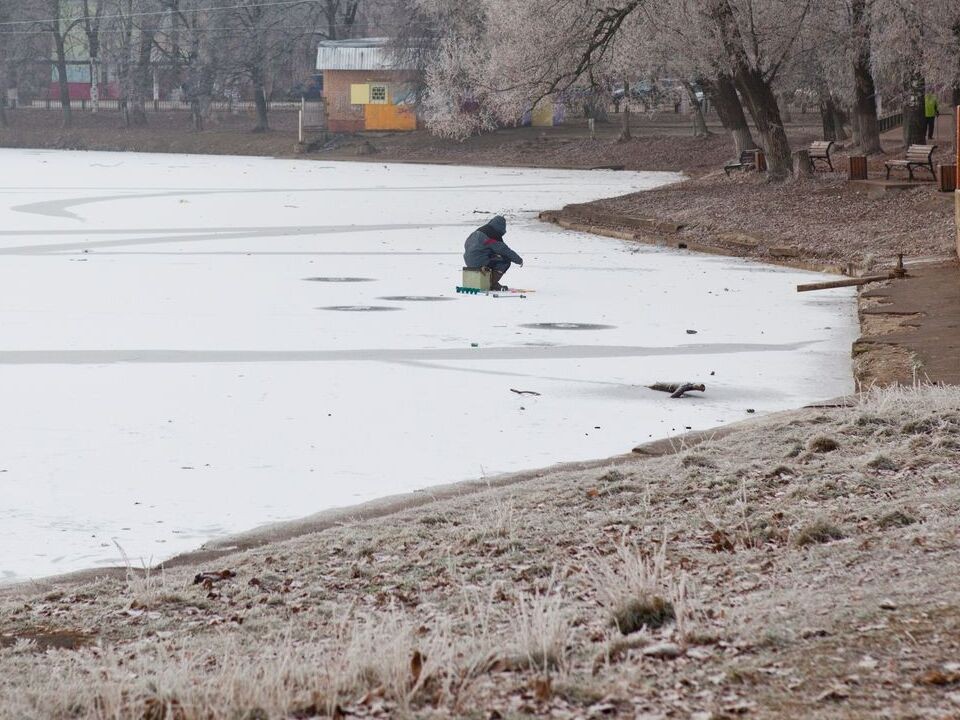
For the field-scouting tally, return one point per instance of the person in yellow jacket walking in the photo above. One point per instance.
(931, 108)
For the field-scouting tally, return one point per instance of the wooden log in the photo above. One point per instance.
(858, 167)
(847, 283)
(802, 167)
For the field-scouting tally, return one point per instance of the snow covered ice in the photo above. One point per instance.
(169, 374)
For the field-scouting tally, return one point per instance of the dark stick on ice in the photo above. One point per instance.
(524, 392)
(677, 390)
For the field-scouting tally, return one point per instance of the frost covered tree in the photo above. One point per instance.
(916, 48)
(757, 40)
(499, 58)
(490, 61)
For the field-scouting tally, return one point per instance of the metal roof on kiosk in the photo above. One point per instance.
(357, 54)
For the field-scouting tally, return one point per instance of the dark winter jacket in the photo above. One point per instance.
(486, 243)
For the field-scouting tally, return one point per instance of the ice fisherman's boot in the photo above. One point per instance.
(495, 280)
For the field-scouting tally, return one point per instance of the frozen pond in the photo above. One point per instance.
(176, 363)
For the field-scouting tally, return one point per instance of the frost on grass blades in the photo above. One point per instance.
(169, 377)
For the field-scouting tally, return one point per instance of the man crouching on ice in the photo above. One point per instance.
(485, 248)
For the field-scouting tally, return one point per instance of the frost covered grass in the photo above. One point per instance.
(813, 584)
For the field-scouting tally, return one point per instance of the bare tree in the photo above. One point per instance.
(755, 55)
(722, 93)
(340, 16)
(92, 22)
(257, 37)
(58, 25)
(865, 90)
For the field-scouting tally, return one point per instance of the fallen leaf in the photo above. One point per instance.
(542, 688)
(416, 666)
(837, 692)
(938, 677)
(721, 542)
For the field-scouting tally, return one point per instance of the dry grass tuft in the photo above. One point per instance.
(895, 519)
(612, 476)
(542, 630)
(882, 462)
(781, 472)
(637, 591)
(643, 612)
(822, 444)
(693, 460)
(819, 531)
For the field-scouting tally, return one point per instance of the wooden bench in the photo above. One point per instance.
(820, 150)
(917, 156)
(748, 160)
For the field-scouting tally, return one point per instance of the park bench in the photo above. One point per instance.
(917, 156)
(748, 159)
(820, 150)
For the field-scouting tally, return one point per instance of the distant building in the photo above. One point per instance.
(364, 88)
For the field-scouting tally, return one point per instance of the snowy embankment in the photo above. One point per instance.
(172, 370)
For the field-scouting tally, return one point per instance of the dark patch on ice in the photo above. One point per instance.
(339, 279)
(567, 326)
(360, 308)
(416, 298)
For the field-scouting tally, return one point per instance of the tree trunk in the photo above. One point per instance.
(260, 100)
(141, 79)
(595, 107)
(914, 131)
(865, 90)
(765, 111)
(761, 101)
(62, 77)
(94, 85)
(865, 108)
(785, 108)
(3, 94)
(699, 122)
(801, 164)
(839, 118)
(625, 135)
(723, 96)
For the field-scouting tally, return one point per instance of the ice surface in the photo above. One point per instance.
(169, 376)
